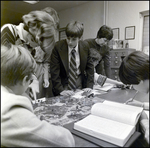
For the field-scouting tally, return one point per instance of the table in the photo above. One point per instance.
(64, 110)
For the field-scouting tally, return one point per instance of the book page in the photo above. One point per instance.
(105, 129)
(117, 112)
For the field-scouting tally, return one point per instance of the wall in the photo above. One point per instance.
(121, 14)
(91, 14)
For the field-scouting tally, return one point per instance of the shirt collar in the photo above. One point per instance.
(76, 49)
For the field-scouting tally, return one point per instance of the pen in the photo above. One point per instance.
(131, 99)
(134, 96)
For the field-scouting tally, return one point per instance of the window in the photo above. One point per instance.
(144, 31)
(145, 38)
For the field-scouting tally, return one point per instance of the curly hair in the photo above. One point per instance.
(44, 22)
(16, 63)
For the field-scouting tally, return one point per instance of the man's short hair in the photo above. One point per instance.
(74, 29)
(16, 63)
(134, 68)
(105, 32)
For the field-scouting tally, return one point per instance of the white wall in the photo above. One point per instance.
(121, 14)
(91, 14)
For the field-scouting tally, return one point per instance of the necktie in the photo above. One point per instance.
(72, 71)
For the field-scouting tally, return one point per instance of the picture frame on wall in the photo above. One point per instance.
(62, 34)
(115, 33)
(130, 32)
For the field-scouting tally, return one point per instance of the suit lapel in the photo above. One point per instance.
(63, 52)
(83, 57)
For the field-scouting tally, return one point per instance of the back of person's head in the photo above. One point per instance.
(105, 32)
(43, 22)
(134, 68)
(16, 63)
(74, 29)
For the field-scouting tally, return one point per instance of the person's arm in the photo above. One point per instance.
(29, 131)
(107, 67)
(55, 71)
(101, 80)
(48, 45)
(145, 105)
(108, 80)
(144, 122)
(100, 68)
(89, 71)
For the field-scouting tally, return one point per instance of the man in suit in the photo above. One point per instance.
(60, 62)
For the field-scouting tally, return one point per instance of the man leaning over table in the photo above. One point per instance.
(60, 62)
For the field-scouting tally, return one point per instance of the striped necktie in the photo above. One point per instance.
(72, 71)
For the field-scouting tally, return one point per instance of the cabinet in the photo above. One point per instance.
(116, 57)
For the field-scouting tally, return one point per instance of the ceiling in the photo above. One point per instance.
(12, 11)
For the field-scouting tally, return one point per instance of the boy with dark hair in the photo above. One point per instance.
(20, 127)
(100, 43)
(134, 70)
(71, 70)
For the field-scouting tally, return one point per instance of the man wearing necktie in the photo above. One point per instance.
(71, 70)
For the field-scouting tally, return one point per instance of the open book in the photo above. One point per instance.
(110, 121)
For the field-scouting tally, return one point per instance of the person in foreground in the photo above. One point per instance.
(101, 44)
(134, 70)
(65, 79)
(20, 127)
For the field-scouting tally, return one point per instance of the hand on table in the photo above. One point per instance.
(67, 93)
(119, 84)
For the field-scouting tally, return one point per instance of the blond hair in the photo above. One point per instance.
(16, 63)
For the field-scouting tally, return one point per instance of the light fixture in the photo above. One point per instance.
(32, 2)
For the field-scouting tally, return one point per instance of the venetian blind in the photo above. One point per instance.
(145, 41)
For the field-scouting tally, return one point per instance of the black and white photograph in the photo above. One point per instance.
(74, 73)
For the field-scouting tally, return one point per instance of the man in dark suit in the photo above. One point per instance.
(60, 62)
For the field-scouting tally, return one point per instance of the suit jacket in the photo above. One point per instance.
(59, 66)
(20, 127)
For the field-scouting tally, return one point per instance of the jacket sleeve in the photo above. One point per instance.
(24, 129)
(107, 67)
(50, 42)
(89, 70)
(55, 71)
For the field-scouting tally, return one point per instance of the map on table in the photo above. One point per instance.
(63, 110)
